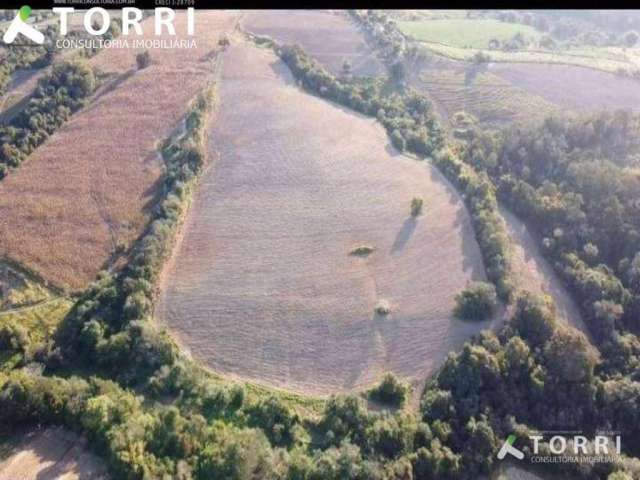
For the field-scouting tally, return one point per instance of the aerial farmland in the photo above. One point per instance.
(320, 244)
(285, 216)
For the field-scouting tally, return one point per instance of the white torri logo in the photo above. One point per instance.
(20, 25)
(508, 448)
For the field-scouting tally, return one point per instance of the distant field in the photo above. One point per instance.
(603, 59)
(577, 88)
(426, 14)
(503, 93)
(263, 284)
(88, 190)
(465, 33)
(51, 454)
(491, 99)
(331, 38)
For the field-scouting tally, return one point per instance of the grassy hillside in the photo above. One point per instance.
(465, 33)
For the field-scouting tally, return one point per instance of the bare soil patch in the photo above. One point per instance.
(577, 88)
(329, 37)
(52, 454)
(89, 188)
(263, 284)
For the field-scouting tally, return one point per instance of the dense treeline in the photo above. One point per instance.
(57, 96)
(109, 324)
(480, 198)
(567, 29)
(532, 375)
(387, 40)
(577, 182)
(263, 439)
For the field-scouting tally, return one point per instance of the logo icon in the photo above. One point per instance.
(508, 448)
(20, 25)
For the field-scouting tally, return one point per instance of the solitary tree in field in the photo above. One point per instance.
(416, 206)
(382, 307)
(143, 59)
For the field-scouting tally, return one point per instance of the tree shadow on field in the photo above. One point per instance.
(392, 151)
(282, 72)
(403, 236)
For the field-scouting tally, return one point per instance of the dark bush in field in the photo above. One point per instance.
(390, 391)
(476, 302)
(143, 59)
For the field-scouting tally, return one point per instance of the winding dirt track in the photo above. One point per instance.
(533, 272)
(262, 285)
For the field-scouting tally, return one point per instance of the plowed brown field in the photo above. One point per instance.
(52, 454)
(89, 187)
(262, 284)
(329, 37)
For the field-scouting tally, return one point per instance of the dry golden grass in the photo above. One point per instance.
(329, 37)
(262, 284)
(577, 88)
(90, 186)
(52, 454)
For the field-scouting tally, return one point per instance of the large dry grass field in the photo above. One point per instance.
(329, 37)
(89, 188)
(533, 272)
(262, 284)
(577, 88)
(52, 454)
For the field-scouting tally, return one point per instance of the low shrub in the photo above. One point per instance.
(143, 59)
(416, 206)
(476, 302)
(383, 307)
(390, 391)
(362, 250)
